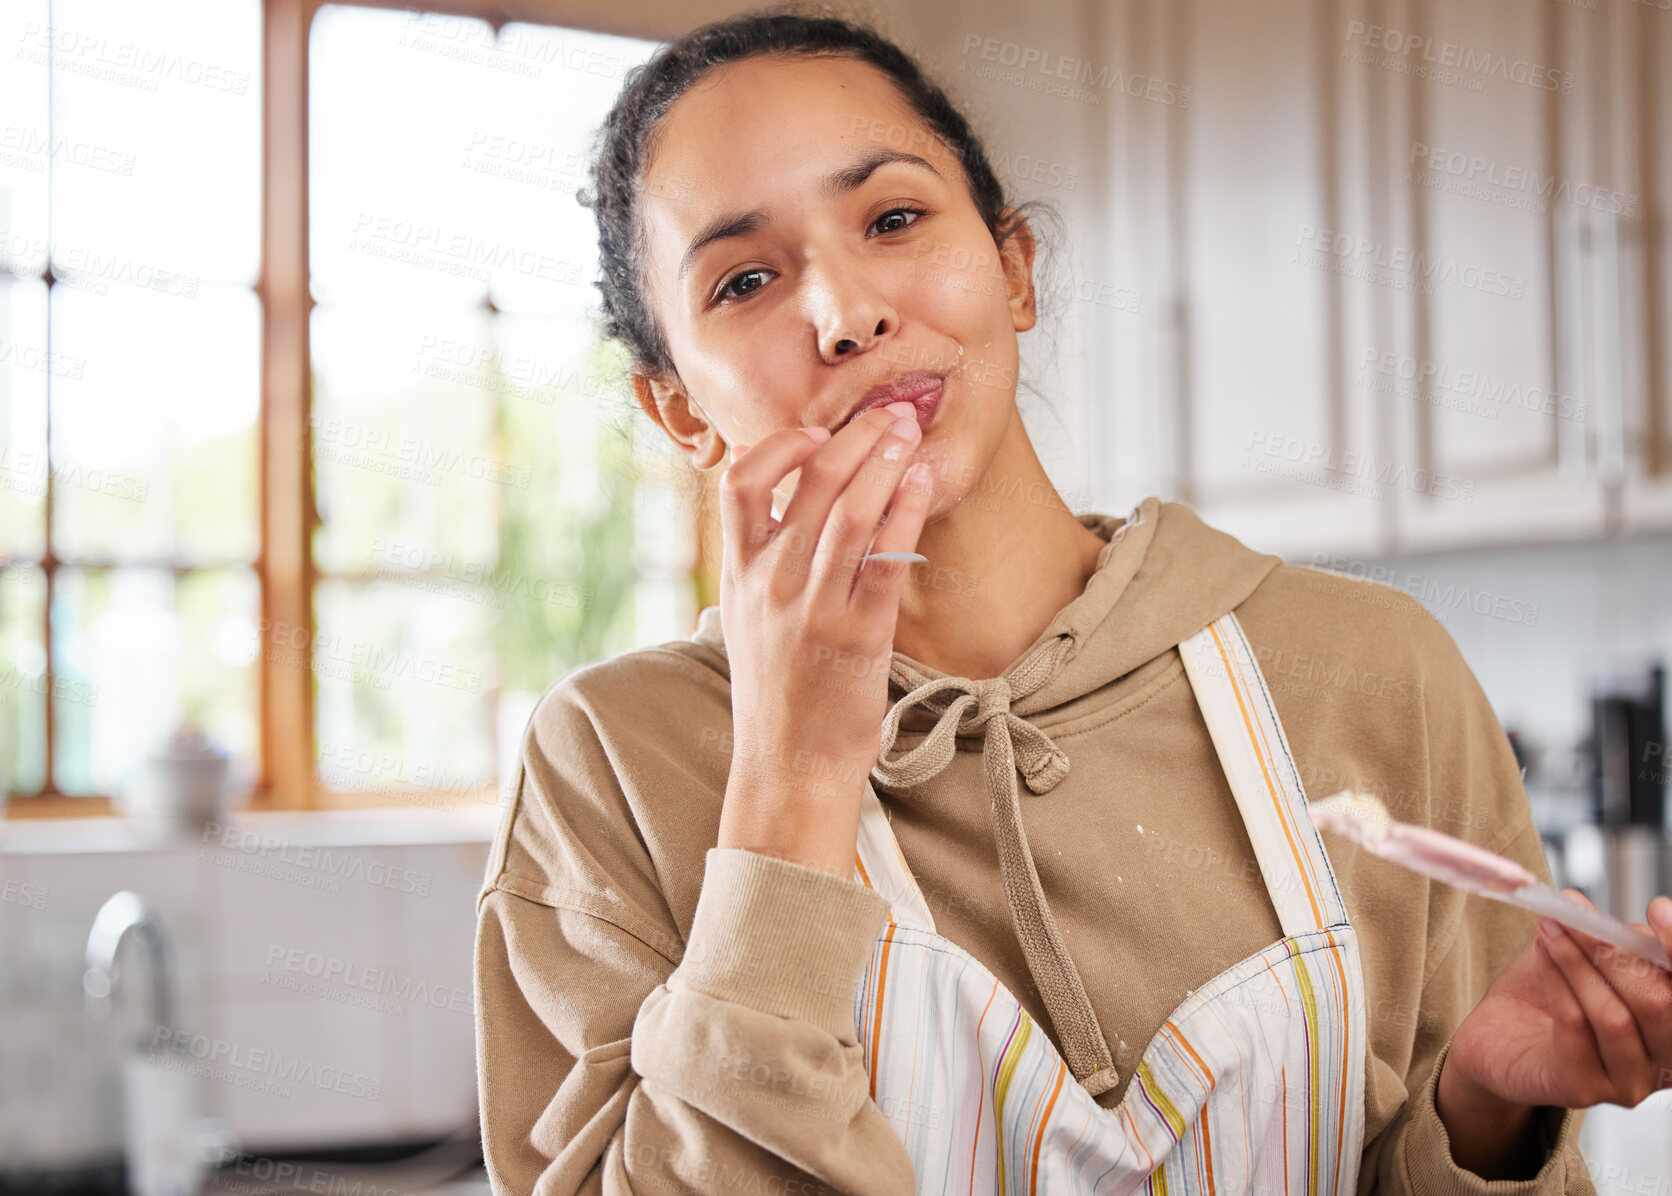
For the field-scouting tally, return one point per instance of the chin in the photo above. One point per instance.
(956, 466)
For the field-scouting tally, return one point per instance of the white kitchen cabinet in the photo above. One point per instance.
(1261, 405)
(1412, 285)
(1512, 345)
(1645, 265)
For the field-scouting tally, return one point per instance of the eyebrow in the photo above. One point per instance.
(849, 178)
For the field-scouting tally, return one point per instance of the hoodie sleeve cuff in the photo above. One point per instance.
(781, 938)
(1432, 1169)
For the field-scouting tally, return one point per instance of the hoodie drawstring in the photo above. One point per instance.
(1010, 742)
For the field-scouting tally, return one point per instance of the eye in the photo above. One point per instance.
(737, 287)
(888, 216)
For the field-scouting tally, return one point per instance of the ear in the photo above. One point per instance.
(664, 399)
(1016, 259)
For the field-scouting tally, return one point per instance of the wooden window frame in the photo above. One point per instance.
(284, 561)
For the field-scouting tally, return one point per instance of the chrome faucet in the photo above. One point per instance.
(167, 1144)
(124, 912)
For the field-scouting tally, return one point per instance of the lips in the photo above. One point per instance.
(921, 388)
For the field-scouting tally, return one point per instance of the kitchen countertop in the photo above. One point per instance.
(384, 827)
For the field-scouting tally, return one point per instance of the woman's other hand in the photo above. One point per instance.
(1570, 1022)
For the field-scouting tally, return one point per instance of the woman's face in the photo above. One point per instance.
(807, 239)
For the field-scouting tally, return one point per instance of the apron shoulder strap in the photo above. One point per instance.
(878, 864)
(1261, 770)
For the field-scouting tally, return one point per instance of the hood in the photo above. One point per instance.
(1163, 577)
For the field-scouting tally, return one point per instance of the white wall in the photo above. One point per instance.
(1558, 617)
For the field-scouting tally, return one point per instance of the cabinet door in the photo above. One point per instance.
(1513, 351)
(1260, 402)
(1645, 55)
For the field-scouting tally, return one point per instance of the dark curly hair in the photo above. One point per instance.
(624, 142)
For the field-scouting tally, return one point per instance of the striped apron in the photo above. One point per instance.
(1254, 1084)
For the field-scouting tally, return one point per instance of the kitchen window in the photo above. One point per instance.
(308, 435)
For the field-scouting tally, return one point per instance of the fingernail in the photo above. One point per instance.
(817, 435)
(903, 427)
(1551, 927)
(902, 409)
(1660, 913)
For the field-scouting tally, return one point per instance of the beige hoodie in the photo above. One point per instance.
(655, 1014)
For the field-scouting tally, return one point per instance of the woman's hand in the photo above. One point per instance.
(810, 632)
(1570, 1022)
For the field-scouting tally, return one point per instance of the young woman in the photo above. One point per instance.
(991, 871)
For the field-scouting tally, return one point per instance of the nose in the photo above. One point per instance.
(850, 313)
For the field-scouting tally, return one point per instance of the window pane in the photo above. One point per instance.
(534, 155)
(156, 133)
(154, 445)
(23, 684)
(442, 160)
(24, 148)
(392, 97)
(569, 559)
(140, 650)
(402, 455)
(25, 362)
(405, 675)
